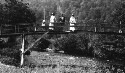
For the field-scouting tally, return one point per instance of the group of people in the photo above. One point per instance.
(53, 19)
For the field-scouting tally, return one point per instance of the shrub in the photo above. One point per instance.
(2, 43)
(17, 12)
(10, 56)
(109, 47)
(15, 53)
(41, 45)
(76, 44)
(9, 61)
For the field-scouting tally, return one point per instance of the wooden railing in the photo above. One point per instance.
(7, 28)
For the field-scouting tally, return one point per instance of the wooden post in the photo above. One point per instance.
(120, 31)
(1, 30)
(95, 29)
(15, 29)
(22, 50)
(18, 28)
(35, 28)
(44, 14)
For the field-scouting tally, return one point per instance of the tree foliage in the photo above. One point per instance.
(100, 11)
(14, 11)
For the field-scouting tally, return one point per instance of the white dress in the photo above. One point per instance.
(72, 23)
(52, 20)
(43, 23)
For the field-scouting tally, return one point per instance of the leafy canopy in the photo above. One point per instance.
(14, 11)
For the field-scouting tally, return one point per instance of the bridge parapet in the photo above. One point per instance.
(27, 27)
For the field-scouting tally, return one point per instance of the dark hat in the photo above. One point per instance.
(62, 14)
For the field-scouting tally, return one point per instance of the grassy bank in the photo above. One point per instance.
(60, 63)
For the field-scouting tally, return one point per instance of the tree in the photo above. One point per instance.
(13, 12)
(118, 14)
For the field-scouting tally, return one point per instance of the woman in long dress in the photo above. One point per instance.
(52, 20)
(44, 25)
(72, 22)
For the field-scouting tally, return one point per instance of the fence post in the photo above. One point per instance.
(1, 30)
(18, 28)
(15, 29)
(22, 50)
(35, 28)
(95, 29)
(120, 31)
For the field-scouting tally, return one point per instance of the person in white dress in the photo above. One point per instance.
(43, 23)
(72, 22)
(52, 20)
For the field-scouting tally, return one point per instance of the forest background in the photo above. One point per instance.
(91, 12)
